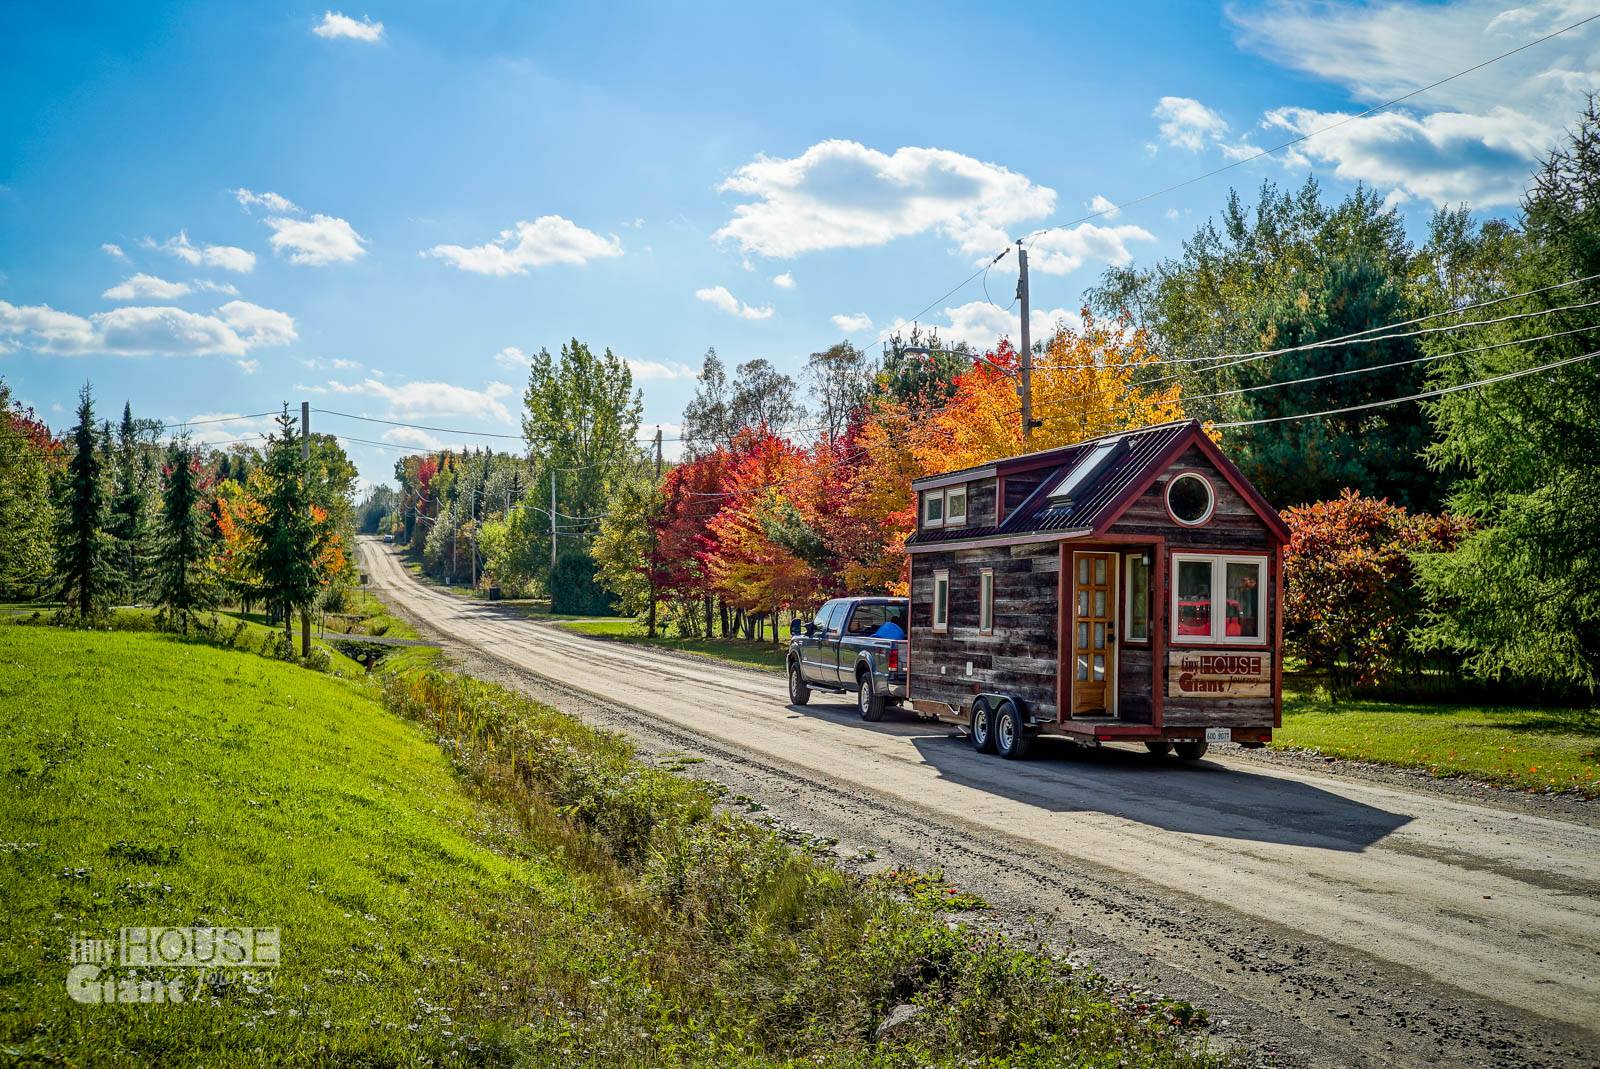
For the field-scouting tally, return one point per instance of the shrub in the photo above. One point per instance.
(574, 590)
(1350, 593)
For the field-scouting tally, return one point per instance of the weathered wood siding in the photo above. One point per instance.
(1019, 658)
(1234, 527)
(1233, 524)
(1134, 704)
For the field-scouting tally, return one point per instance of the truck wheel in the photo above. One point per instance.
(799, 693)
(1159, 747)
(1011, 739)
(867, 699)
(1190, 751)
(982, 728)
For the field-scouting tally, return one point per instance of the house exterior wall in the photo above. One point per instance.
(1019, 657)
(1234, 528)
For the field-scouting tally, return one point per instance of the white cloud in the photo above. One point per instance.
(336, 364)
(272, 202)
(426, 400)
(1059, 252)
(981, 324)
(513, 358)
(851, 324)
(216, 287)
(549, 239)
(1104, 206)
(1187, 123)
(114, 251)
(210, 432)
(236, 329)
(784, 281)
(320, 240)
(334, 24)
(142, 286)
(249, 367)
(226, 257)
(719, 298)
(658, 369)
(841, 194)
(420, 439)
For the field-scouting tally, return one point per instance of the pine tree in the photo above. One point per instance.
(182, 574)
(289, 549)
(85, 564)
(129, 524)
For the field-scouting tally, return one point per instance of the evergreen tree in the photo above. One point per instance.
(129, 524)
(183, 574)
(288, 537)
(85, 559)
(1521, 594)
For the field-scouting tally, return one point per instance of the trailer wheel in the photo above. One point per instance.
(1190, 751)
(1159, 747)
(799, 693)
(982, 728)
(1011, 739)
(867, 699)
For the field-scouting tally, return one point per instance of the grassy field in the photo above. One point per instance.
(737, 651)
(478, 880)
(1523, 747)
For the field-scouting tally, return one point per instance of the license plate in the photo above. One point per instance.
(1219, 734)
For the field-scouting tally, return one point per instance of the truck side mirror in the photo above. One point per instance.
(794, 627)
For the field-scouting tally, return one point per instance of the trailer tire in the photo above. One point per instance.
(1190, 751)
(981, 728)
(799, 693)
(1011, 738)
(1158, 747)
(868, 700)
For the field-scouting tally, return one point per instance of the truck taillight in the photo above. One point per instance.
(894, 659)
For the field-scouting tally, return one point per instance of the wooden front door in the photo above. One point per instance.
(1094, 634)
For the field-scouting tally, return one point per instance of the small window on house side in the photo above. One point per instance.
(941, 601)
(1138, 611)
(933, 508)
(1218, 598)
(986, 601)
(955, 507)
(1190, 499)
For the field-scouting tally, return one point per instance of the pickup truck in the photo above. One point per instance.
(841, 651)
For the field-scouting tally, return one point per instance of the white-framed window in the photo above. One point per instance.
(1190, 498)
(1219, 598)
(933, 508)
(1137, 594)
(955, 507)
(941, 600)
(986, 601)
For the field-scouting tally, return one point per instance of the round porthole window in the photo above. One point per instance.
(1190, 499)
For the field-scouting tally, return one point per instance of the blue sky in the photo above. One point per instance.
(208, 209)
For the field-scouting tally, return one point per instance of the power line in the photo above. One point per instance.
(452, 430)
(1424, 395)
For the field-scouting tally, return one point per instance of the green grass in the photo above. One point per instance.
(733, 650)
(479, 881)
(1523, 747)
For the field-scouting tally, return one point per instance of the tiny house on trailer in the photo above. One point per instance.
(1124, 588)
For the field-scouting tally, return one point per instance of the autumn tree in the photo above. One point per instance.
(27, 457)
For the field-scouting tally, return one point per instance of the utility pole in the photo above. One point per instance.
(1025, 385)
(650, 624)
(552, 523)
(305, 474)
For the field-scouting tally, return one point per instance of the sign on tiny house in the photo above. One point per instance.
(1124, 588)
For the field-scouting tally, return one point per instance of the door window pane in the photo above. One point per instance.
(1194, 598)
(1244, 600)
(1083, 603)
(1099, 602)
(1083, 569)
(1100, 571)
(1138, 599)
(1099, 667)
(1083, 669)
(1099, 636)
(1083, 636)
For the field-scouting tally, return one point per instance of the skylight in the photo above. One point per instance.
(1083, 472)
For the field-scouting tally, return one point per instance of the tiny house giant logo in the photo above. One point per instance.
(168, 964)
(1213, 674)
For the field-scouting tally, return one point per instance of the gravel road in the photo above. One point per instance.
(1322, 921)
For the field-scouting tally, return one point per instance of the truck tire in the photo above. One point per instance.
(799, 693)
(981, 729)
(868, 701)
(1158, 747)
(1011, 738)
(1190, 751)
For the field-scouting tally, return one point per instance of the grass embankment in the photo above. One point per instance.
(1522, 747)
(531, 893)
(625, 629)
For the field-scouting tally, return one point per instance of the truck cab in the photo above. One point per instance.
(852, 645)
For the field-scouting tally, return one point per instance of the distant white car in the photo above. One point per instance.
(388, 538)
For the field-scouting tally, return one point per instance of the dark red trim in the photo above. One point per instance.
(1277, 645)
(1063, 622)
(1158, 644)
